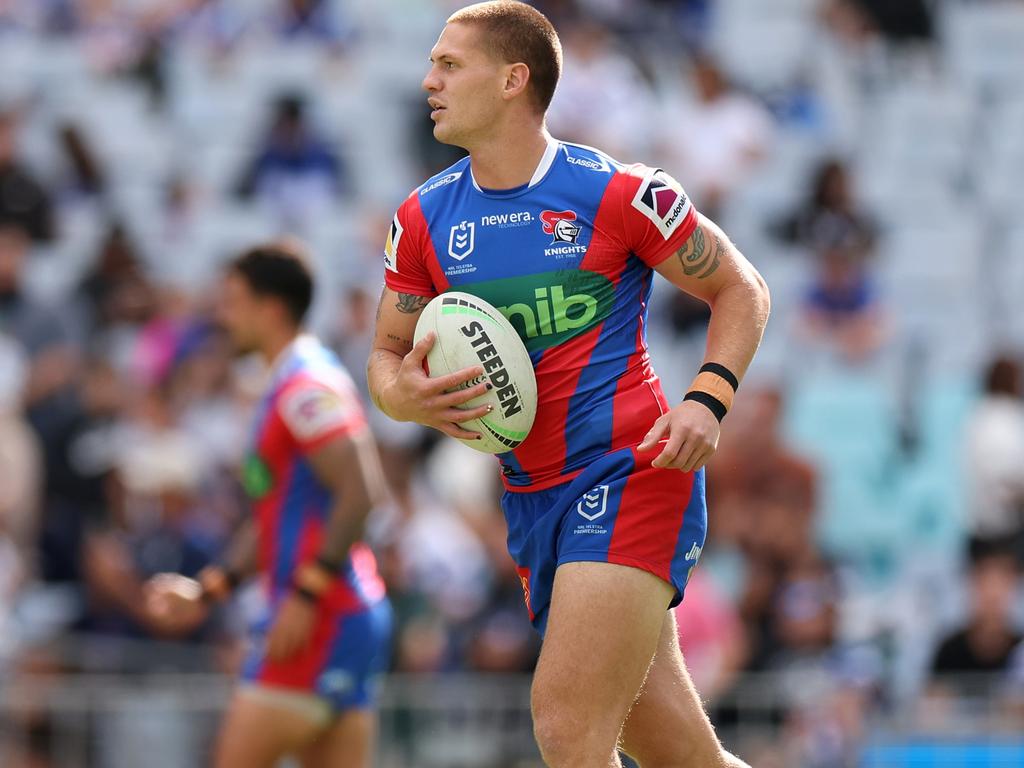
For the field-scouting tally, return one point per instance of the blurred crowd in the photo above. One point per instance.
(123, 413)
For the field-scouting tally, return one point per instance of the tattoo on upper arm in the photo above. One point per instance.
(697, 258)
(410, 303)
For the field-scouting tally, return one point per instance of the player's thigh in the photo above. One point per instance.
(348, 743)
(603, 629)
(667, 726)
(257, 732)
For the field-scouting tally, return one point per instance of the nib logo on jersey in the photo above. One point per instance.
(564, 233)
(550, 307)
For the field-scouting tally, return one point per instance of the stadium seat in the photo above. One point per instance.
(983, 43)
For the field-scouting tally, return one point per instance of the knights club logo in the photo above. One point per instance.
(559, 224)
(594, 503)
(461, 240)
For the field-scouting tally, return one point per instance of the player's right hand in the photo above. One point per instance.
(414, 396)
(174, 604)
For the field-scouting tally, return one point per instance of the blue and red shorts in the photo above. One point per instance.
(347, 653)
(620, 510)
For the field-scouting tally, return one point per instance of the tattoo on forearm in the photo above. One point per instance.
(400, 340)
(410, 303)
(697, 258)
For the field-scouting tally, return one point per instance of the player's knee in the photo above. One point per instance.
(568, 741)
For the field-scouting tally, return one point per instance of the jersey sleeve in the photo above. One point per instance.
(316, 413)
(658, 216)
(406, 251)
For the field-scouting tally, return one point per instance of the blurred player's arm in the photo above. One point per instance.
(709, 267)
(349, 467)
(398, 383)
(176, 604)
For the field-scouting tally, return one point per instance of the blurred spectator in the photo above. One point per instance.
(39, 330)
(24, 202)
(20, 456)
(714, 143)
(116, 292)
(841, 310)
(295, 171)
(806, 610)
(105, 29)
(215, 24)
(84, 176)
(597, 73)
(994, 454)
(204, 396)
(80, 451)
(692, 20)
(764, 499)
(898, 21)
(985, 645)
(152, 501)
(311, 20)
(830, 212)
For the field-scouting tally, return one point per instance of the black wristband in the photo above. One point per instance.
(306, 594)
(710, 402)
(721, 370)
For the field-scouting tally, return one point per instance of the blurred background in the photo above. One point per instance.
(858, 602)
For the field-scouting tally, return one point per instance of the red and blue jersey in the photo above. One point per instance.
(309, 401)
(568, 259)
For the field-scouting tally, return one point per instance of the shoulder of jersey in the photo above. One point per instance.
(445, 178)
(589, 160)
(321, 367)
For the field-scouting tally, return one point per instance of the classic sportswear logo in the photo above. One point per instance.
(594, 503)
(693, 554)
(443, 181)
(461, 240)
(593, 165)
(559, 224)
(661, 199)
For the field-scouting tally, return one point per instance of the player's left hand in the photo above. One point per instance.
(690, 432)
(293, 628)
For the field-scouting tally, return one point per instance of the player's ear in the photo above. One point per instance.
(516, 77)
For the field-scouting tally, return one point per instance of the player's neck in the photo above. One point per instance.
(509, 161)
(278, 342)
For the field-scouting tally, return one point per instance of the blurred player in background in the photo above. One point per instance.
(313, 475)
(603, 526)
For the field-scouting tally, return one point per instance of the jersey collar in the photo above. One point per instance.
(280, 368)
(541, 171)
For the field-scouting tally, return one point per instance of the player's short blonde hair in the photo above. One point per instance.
(516, 32)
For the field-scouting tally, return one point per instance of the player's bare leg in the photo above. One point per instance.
(347, 744)
(602, 632)
(257, 732)
(667, 726)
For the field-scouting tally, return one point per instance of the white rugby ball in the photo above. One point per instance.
(469, 332)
